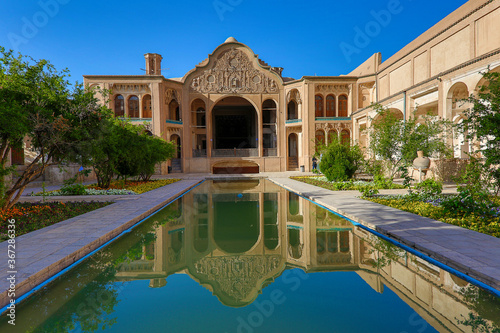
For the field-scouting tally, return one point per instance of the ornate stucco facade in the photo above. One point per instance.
(235, 113)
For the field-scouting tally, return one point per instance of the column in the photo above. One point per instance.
(140, 106)
(260, 136)
(208, 122)
(350, 101)
(156, 106)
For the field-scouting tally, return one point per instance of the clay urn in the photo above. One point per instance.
(421, 162)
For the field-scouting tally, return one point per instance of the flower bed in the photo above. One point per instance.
(90, 192)
(117, 188)
(431, 208)
(359, 185)
(32, 216)
(138, 187)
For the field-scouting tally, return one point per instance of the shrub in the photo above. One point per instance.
(70, 188)
(340, 161)
(429, 187)
(368, 191)
(74, 189)
(382, 182)
(473, 196)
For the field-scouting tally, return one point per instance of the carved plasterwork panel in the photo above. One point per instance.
(339, 126)
(148, 126)
(130, 88)
(238, 278)
(334, 88)
(175, 257)
(294, 129)
(367, 85)
(172, 94)
(293, 95)
(173, 130)
(233, 72)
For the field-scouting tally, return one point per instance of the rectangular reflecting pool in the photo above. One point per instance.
(249, 256)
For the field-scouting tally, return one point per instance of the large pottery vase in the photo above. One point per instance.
(421, 162)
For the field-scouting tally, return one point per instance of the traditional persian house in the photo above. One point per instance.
(234, 113)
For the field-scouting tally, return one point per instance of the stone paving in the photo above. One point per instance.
(473, 253)
(45, 252)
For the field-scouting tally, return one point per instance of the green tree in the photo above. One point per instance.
(482, 125)
(397, 141)
(125, 150)
(37, 104)
(340, 160)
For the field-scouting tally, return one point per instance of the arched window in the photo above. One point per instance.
(330, 106)
(146, 107)
(133, 107)
(320, 242)
(342, 106)
(344, 241)
(269, 137)
(119, 106)
(320, 137)
(177, 140)
(174, 110)
(295, 244)
(318, 106)
(292, 110)
(345, 137)
(198, 112)
(293, 152)
(332, 136)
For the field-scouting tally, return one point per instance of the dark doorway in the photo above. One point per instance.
(235, 124)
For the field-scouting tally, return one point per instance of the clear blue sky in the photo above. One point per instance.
(304, 37)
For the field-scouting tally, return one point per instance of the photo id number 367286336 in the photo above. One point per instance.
(11, 270)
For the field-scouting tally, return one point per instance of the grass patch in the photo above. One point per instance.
(485, 224)
(349, 185)
(31, 216)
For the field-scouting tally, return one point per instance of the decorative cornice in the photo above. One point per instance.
(333, 88)
(130, 88)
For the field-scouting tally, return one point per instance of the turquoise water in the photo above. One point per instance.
(248, 256)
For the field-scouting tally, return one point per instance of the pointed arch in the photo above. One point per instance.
(331, 109)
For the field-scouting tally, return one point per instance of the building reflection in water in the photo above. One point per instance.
(236, 238)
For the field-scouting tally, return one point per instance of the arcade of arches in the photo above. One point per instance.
(234, 110)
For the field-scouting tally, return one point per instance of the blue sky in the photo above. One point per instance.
(304, 37)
